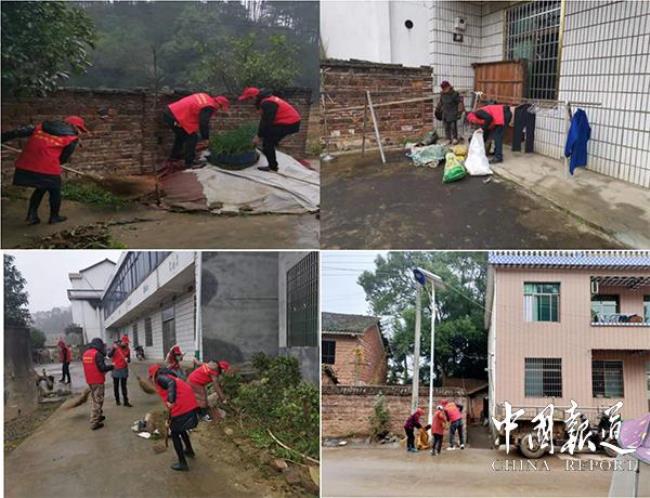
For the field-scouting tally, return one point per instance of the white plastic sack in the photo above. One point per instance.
(477, 163)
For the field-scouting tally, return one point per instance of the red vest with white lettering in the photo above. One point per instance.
(185, 400)
(119, 357)
(494, 110)
(286, 113)
(187, 110)
(93, 374)
(202, 376)
(453, 412)
(42, 153)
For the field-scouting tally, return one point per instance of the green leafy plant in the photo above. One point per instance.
(235, 141)
(380, 419)
(91, 193)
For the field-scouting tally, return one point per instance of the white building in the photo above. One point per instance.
(85, 296)
(216, 305)
(597, 52)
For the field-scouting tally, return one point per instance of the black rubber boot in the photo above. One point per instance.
(97, 426)
(117, 402)
(180, 465)
(57, 219)
(267, 169)
(33, 219)
(126, 403)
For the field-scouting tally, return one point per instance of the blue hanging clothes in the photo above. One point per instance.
(576, 140)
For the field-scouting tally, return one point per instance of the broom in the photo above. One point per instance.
(162, 447)
(115, 185)
(78, 400)
(146, 386)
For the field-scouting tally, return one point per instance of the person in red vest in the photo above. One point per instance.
(95, 369)
(493, 119)
(65, 357)
(278, 119)
(455, 417)
(121, 356)
(50, 145)
(189, 117)
(179, 399)
(204, 374)
(437, 430)
(174, 358)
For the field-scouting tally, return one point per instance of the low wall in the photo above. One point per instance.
(134, 137)
(344, 84)
(345, 410)
(20, 391)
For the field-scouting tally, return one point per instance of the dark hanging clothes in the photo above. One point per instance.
(524, 124)
(576, 141)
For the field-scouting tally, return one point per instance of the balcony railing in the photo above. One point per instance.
(619, 320)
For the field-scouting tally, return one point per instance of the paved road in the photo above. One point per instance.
(64, 458)
(393, 472)
(397, 206)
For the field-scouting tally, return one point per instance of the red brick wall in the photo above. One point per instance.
(345, 410)
(359, 359)
(128, 142)
(344, 84)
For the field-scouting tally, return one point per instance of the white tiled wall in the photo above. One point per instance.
(605, 59)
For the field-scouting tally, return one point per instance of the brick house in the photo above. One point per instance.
(354, 350)
(569, 325)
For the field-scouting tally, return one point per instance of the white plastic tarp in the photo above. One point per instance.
(294, 189)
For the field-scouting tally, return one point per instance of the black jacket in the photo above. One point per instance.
(449, 105)
(56, 128)
(269, 110)
(167, 381)
(100, 357)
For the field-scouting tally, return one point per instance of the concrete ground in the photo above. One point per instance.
(64, 458)
(381, 471)
(142, 227)
(397, 206)
(616, 207)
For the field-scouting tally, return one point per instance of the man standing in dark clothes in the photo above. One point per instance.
(50, 145)
(65, 356)
(449, 109)
(278, 119)
(493, 119)
(95, 369)
(121, 356)
(189, 117)
(412, 423)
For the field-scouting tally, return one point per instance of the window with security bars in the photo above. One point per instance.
(328, 353)
(302, 302)
(543, 377)
(607, 378)
(604, 305)
(542, 302)
(533, 33)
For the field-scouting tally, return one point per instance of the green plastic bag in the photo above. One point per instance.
(454, 170)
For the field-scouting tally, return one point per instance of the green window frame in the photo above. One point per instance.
(542, 301)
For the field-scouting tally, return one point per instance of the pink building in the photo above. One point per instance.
(569, 325)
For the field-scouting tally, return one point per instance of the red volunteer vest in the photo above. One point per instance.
(202, 376)
(453, 412)
(185, 400)
(187, 110)
(119, 358)
(438, 423)
(286, 114)
(494, 110)
(92, 373)
(42, 152)
(68, 354)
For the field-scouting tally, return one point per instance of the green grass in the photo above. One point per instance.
(90, 193)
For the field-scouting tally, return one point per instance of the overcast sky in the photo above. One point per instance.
(47, 272)
(340, 271)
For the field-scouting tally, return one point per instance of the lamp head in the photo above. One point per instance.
(423, 276)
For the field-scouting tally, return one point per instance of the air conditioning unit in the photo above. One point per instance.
(459, 24)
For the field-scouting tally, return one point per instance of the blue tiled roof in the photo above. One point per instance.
(608, 259)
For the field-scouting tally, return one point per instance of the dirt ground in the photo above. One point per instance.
(63, 457)
(20, 428)
(142, 227)
(397, 206)
(381, 471)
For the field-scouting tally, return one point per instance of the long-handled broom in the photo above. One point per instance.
(78, 400)
(146, 386)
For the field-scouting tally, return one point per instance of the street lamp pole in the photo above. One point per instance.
(433, 335)
(416, 352)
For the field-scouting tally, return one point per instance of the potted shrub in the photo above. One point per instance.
(234, 149)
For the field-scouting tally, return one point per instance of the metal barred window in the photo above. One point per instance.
(533, 34)
(543, 377)
(607, 378)
(148, 332)
(302, 302)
